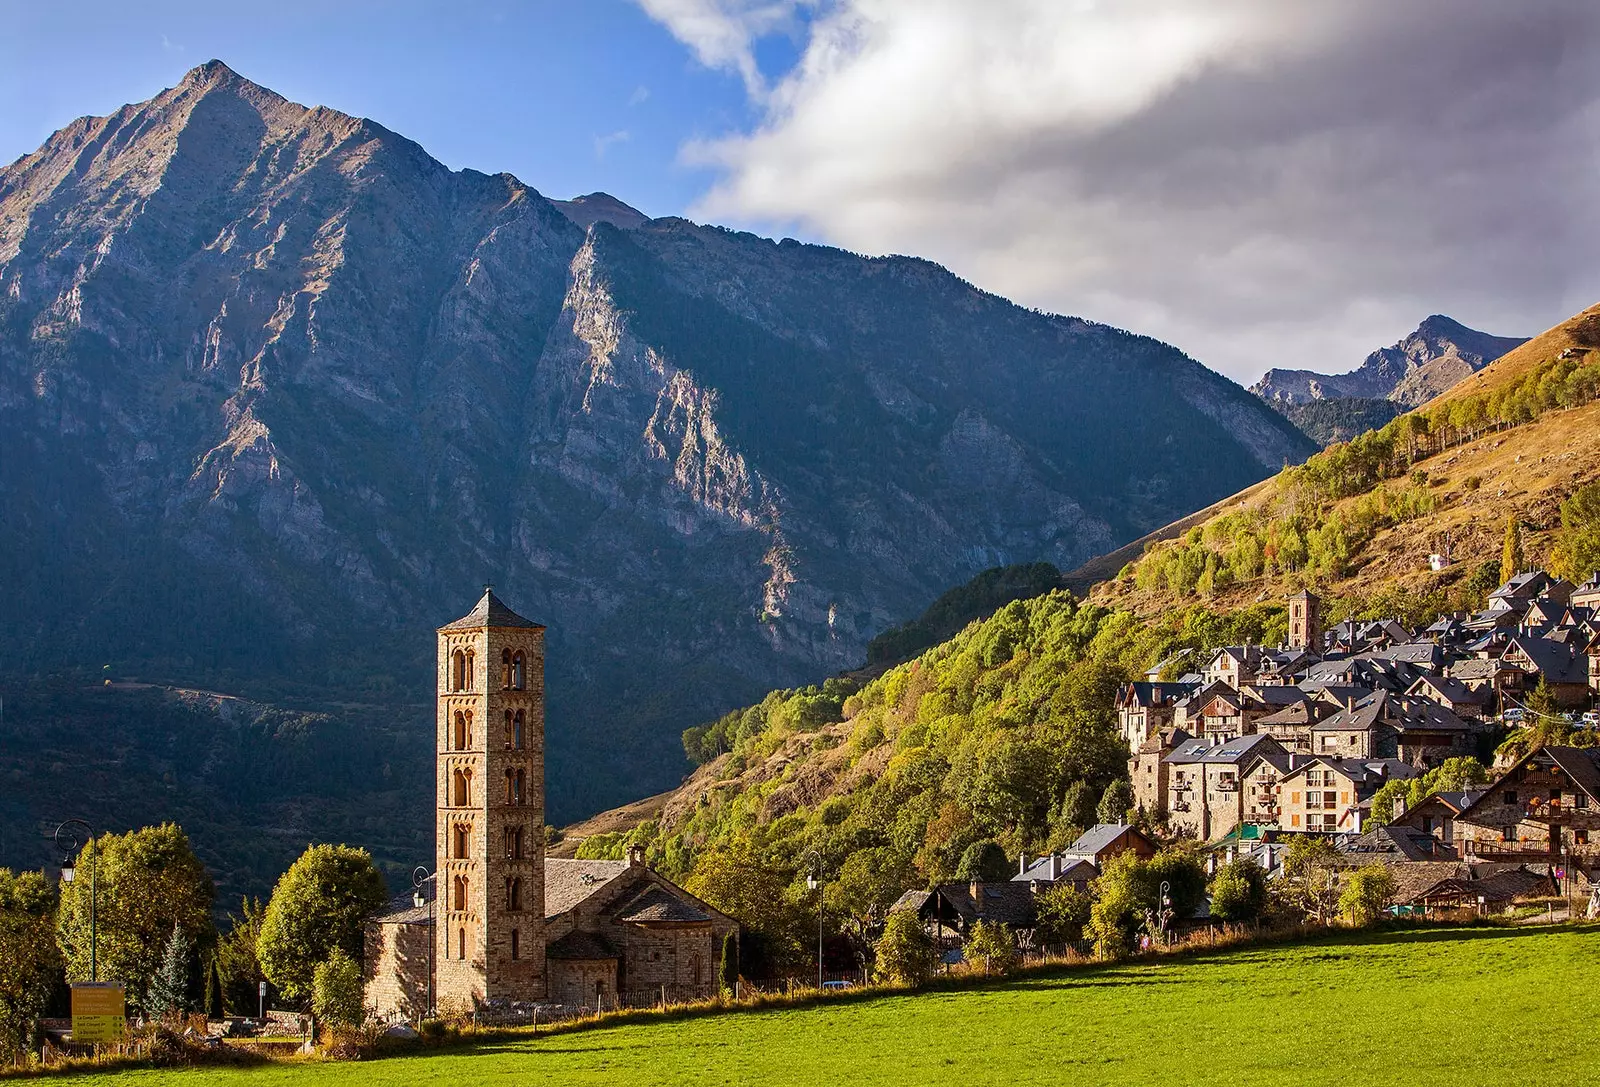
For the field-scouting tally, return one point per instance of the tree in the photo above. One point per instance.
(985, 861)
(336, 990)
(743, 884)
(168, 997)
(321, 903)
(729, 970)
(238, 970)
(1129, 897)
(1310, 876)
(30, 962)
(1578, 543)
(1063, 913)
(1511, 550)
(1366, 894)
(1115, 802)
(905, 951)
(995, 944)
(148, 881)
(1541, 703)
(1075, 813)
(1239, 891)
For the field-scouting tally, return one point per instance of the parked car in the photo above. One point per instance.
(1513, 714)
(1592, 718)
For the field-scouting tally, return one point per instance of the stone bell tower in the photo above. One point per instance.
(1305, 621)
(489, 821)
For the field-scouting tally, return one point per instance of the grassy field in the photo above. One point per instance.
(1447, 1007)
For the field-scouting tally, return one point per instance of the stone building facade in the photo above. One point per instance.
(497, 920)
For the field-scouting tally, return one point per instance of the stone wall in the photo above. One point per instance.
(396, 958)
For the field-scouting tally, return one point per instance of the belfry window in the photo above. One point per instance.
(472, 670)
(458, 671)
(516, 731)
(461, 938)
(519, 679)
(513, 894)
(463, 838)
(461, 893)
(505, 668)
(516, 945)
(462, 781)
(461, 731)
(518, 795)
(509, 730)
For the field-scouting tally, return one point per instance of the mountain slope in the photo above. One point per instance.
(1363, 519)
(1419, 367)
(279, 392)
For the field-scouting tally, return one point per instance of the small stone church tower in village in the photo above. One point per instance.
(1305, 621)
(489, 871)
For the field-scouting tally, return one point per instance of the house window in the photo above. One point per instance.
(1511, 796)
(1580, 837)
(516, 944)
(1580, 800)
(1508, 834)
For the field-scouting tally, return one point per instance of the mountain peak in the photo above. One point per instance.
(212, 71)
(601, 207)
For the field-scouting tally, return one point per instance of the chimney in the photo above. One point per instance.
(1399, 807)
(636, 856)
(1055, 867)
(1022, 864)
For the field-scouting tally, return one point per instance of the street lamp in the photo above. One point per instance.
(69, 872)
(420, 898)
(1166, 908)
(814, 883)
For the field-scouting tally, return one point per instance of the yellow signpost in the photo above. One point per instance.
(99, 1013)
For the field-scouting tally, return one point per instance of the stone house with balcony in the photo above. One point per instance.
(1437, 814)
(1148, 769)
(1206, 794)
(1546, 803)
(1324, 795)
(1565, 668)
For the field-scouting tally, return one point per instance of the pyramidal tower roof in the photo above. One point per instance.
(491, 611)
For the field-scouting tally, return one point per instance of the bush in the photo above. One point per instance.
(995, 944)
(1063, 913)
(1366, 894)
(1239, 891)
(336, 995)
(905, 952)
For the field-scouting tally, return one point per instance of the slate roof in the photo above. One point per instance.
(581, 945)
(1072, 870)
(1153, 694)
(1098, 837)
(568, 882)
(1447, 689)
(402, 910)
(1556, 662)
(491, 611)
(655, 905)
(1395, 843)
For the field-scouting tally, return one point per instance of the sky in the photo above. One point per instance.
(1260, 183)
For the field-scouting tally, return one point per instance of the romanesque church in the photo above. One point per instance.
(498, 921)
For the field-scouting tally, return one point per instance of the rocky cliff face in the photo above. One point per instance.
(1421, 366)
(279, 392)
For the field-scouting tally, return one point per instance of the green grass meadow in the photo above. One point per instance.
(1453, 1007)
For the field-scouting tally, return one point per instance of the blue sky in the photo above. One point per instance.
(1263, 184)
(572, 98)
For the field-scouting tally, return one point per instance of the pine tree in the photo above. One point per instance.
(169, 989)
(730, 960)
(1511, 555)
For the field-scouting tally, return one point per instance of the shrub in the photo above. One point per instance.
(1239, 891)
(1366, 894)
(336, 995)
(905, 952)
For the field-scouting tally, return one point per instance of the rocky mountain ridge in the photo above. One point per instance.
(1423, 364)
(279, 391)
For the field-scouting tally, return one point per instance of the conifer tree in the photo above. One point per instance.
(169, 987)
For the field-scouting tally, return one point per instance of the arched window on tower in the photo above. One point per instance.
(461, 892)
(505, 668)
(463, 840)
(468, 745)
(510, 783)
(462, 781)
(514, 893)
(472, 670)
(458, 671)
(516, 945)
(508, 730)
(461, 943)
(517, 793)
(513, 843)
(461, 731)
(519, 678)
(516, 731)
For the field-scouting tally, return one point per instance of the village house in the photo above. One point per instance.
(1587, 595)
(1565, 670)
(1546, 803)
(1204, 794)
(1148, 769)
(1437, 814)
(1324, 795)
(1143, 709)
(1451, 693)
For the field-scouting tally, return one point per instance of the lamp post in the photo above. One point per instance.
(814, 882)
(419, 898)
(69, 870)
(1166, 908)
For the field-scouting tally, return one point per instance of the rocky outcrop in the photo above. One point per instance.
(278, 392)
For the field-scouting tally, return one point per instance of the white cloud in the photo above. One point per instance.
(723, 33)
(1261, 183)
(602, 144)
(640, 95)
